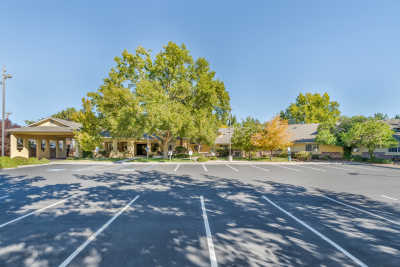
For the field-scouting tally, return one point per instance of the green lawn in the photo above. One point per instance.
(7, 162)
(160, 160)
(97, 159)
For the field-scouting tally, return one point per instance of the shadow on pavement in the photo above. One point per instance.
(164, 226)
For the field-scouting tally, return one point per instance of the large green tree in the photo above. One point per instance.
(312, 108)
(89, 135)
(68, 114)
(241, 138)
(331, 133)
(370, 134)
(170, 96)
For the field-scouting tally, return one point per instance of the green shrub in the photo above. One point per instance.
(180, 150)
(303, 155)
(180, 156)
(283, 155)
(358, 158)
(315, 156)
(21, 160)
(202, 159)
(212, 158)
(325, 157)
(6, 162)
(381, 161)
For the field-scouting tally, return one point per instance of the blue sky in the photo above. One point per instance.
(266, 52)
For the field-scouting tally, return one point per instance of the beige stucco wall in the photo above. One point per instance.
(297, 147)
(14, 152)
(50, 123)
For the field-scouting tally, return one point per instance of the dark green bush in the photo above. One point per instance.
(180, 150)
(314, 156)
(303, 155)
(283, 155)
(212, 158)
(180, 156)
(202, 159)
(20, 160)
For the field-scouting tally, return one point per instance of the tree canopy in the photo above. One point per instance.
(170, 96)
(370, 134)
(330, 133)
(312, 108)
(243, 132)
(274, 136)
(68, 114)
(89, 136)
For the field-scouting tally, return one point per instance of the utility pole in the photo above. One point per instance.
(5, 76)
(230, 137)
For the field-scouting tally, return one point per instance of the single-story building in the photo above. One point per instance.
(54, 138)
(385, 153)
(48, 138)
(303, 138)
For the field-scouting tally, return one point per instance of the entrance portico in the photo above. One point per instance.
(49, 138)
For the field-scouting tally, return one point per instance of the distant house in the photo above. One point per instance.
(301, 135)
(303, 138)
(385, 153)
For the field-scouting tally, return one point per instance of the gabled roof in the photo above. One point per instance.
(56, 126)
(224, 136)
(65, 123)
(303, 133)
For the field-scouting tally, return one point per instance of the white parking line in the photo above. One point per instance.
(332, 243)
(213, 258)
(204, 167)
(266, 170)
(34, 212)
(364, 211)
(289, 168)
(236, 170)
(312, 168)
(177, 167)
(93, 236)
(392, 198)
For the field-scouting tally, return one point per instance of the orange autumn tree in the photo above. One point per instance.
(273, 137)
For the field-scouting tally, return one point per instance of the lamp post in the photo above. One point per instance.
(5, 76)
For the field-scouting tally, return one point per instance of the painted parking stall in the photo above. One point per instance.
(200, 214)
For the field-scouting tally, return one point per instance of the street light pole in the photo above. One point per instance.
(5, 76)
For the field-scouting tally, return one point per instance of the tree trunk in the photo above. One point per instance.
(198, 148)
(270, 155)
(165, 149)
(371, 153)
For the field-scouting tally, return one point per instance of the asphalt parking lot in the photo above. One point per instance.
(200, 215)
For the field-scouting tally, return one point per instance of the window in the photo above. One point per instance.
(312, 147)
(43, 145)
(394, 150)
(20, 144)
(60, 145)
